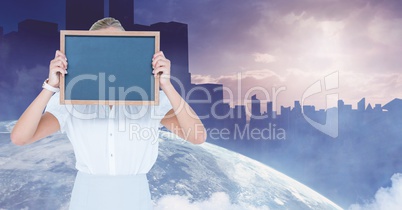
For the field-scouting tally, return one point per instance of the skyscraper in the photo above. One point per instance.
(174, 44)
(240, 117)
(122, 10)
(297, 107)
(255, 106)
(270, 109)
(80, 15)
(37, 27)
(361, 105)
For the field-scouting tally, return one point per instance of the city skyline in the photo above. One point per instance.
(279, 43)
(27, 28)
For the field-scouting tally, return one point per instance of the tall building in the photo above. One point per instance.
(122, 10)
(80, 15)
(239, 115)
(341, 104)
(361, 105)
(297, 107)
(37, 28)
(309, 110)
(377, 107)
(285, 111)
(207, 102)
(206, 93)
(1, 32)
(256, 117)
(369, 108)
(174, 44)
(394, 107)
(270, 109)
(255, 106)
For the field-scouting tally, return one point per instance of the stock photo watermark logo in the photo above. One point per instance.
(330, 83)
(269, 132)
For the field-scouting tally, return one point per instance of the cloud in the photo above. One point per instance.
(386, 31)
(389, 198)
(260, 74)
(263, 58)
(202, 79)
(218, 200)
(358, 38)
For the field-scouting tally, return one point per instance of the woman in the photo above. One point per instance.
(112, 160)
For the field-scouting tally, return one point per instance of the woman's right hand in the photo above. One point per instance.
(58, 66)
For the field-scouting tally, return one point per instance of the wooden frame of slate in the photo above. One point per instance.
(109, 67)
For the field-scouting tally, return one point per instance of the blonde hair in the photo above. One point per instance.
(106, 23)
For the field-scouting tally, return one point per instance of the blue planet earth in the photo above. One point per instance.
(41, 176)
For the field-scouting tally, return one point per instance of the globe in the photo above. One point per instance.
(41, 176)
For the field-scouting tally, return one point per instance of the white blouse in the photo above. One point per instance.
(118, 141)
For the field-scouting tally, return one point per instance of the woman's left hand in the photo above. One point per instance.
(161, 66)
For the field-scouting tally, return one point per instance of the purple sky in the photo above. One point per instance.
(292, 44)
(274, 43)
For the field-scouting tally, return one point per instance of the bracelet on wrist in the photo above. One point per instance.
(49, 87)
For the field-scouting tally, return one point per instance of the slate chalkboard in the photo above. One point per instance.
(109, 67)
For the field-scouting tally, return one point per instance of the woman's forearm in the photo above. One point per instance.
(185, 120)
(27, 124)
(32, 125)
(190, 124)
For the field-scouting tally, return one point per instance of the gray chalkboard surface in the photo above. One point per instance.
(109, 67)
